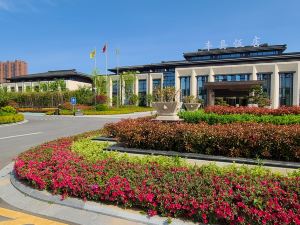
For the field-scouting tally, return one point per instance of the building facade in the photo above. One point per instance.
(224, 73)
(12, 69)
(72, 79)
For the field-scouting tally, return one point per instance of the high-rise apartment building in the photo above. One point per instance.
(11, 69)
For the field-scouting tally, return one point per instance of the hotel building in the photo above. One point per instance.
(228, 73)
(11, 69)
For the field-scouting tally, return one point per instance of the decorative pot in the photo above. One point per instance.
(167, 110)
(253, 105)
(192, 106)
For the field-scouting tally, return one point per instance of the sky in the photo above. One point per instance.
(60, 34)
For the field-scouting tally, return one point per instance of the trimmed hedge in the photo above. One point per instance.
(213, 118)
(248, 140)
(11, 118)
(206, 194)
(286, 110)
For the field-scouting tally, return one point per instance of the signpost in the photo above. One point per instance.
(73, 101)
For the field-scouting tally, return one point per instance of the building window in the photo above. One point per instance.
(286, 89)
(156, 84)
(128, 92)
(201, 92)
(169, 79)
(142, 92)
(115, 88)
(185, 86)
(232, 77)
(266, 77)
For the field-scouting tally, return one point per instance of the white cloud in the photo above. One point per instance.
(25, 5)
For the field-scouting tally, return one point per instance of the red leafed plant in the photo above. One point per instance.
(196, 193)
(253, 110)
(248, 140)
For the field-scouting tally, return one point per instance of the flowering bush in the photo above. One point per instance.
(249, 140)
(205, 194)
(69, 106)
(252, 110)
(101, 99)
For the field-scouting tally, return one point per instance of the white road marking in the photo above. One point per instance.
(20, 135)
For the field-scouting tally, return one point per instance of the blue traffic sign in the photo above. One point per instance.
(73, 100)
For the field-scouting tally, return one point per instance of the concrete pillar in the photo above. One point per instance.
(275, 88)
(193, 83)
(211, 74)
(177, 85)
(296, 86)
(123, 92)
(136, 86)
(253, 76)
(149, 84)
(210, 97)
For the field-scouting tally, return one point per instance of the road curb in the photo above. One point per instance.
(13, 124)
(95, 207)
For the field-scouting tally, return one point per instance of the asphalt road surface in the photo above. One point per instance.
(15, 139)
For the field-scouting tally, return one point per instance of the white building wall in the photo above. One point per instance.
(252, 69)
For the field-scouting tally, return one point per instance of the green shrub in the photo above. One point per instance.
(11, 118)
(9, 110)
(212, 118)
(101, 107)
(94, 151)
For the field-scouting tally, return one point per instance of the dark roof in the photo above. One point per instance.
(230, 61)
(51, 75)
(225, 61)
(229, 50)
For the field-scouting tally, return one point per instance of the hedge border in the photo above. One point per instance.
(11, 119)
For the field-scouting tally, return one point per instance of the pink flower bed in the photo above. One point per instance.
(197, 194)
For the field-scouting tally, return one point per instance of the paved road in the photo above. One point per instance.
(15, 139)
(18, 138)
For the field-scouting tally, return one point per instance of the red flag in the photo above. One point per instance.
(104, 48)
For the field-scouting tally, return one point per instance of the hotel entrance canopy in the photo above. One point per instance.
(233, 85)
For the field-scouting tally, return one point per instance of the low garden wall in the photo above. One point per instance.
(79, 167)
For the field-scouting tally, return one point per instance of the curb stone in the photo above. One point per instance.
(13, 124)
(90, 206)
(197, 156)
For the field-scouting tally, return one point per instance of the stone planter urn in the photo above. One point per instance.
(191, 107)
(253, 105)
(167, 111)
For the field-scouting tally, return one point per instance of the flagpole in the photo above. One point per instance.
(95, 60)
(106, 51)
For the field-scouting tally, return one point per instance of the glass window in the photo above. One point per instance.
(169, 79)
(286, 89)
(185, 86)
(115, 88)
(232, 77)
(156, 83)
(142, 92)
(201, 92)
(266, 77)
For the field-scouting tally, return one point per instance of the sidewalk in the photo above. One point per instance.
(73, 210)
